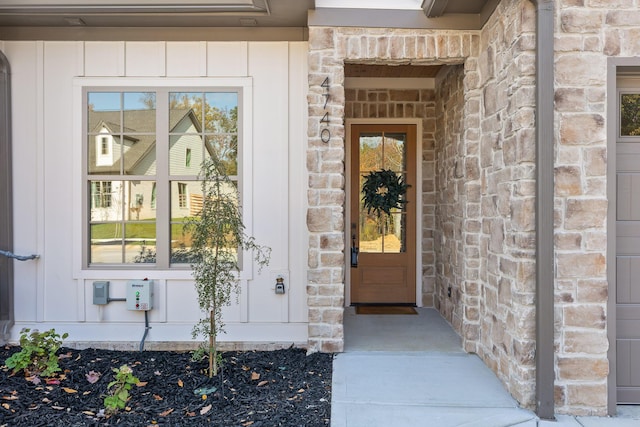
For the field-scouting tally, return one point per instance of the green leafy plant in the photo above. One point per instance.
(218, 241)
(38, 355)
(119, 389)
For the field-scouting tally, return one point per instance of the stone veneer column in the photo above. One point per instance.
(586, 33)
(325, 217)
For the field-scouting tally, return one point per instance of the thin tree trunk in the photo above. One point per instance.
(212, 344)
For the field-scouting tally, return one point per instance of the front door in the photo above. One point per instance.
(383, 270)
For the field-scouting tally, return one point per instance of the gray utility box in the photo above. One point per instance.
(140, 295)
(100, 292)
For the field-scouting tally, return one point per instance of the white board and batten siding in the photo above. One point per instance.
(55, 291)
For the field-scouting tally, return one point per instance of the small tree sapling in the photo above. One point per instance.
(218, 240)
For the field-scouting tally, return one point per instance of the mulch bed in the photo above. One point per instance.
(270, 388)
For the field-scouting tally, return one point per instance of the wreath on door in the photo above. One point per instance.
(383, 190)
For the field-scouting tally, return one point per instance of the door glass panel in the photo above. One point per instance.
(382, 233)
(371, 152)
(395, 156)
(630, 114)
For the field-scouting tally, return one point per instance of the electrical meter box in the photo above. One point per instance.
(140, 295)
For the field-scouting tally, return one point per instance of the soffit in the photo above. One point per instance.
(431, 14)
(154, 13)
(229, 13)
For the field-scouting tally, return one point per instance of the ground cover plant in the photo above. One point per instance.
(258, 389)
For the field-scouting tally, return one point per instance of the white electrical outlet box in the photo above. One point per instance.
(140, 295)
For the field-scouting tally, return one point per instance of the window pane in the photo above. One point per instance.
(105, 200)
(186, 199)
(104, 153)
(185, 112)
(140, 242)
(630, 114)
(371, 152)
(103, 126)
(140, 196)
(221, 112)
(371, 231)
(178, 146)
(139, 152)
(225, 148)
(139, 112)
(395, 152)
(106, 243)
(382, 234)
(180, 244)
(103, 110)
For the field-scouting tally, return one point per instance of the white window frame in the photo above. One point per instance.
(244, 87)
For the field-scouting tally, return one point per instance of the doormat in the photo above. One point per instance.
(385, 309)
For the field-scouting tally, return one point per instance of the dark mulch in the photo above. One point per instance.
(272, 388)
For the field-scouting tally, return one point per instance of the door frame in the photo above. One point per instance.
(347, 211)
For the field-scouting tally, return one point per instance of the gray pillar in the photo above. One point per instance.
(6, 205)
(545, 271)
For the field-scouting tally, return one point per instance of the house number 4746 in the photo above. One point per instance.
(325, 133)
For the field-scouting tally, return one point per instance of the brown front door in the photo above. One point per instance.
(384, 270)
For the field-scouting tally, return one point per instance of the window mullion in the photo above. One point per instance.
(163, 207)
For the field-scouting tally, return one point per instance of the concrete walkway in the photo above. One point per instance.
(377, 382)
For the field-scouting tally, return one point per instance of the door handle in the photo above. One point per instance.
(354, 252)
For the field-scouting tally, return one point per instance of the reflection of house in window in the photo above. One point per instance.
(182, 195)
(101, 194)
(104, 150)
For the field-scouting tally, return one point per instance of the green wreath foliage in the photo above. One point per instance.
(383, 190)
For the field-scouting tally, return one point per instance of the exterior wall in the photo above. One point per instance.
(408, 103)
(587, 32)
(55, 291)
(450, 210)
(502, 174)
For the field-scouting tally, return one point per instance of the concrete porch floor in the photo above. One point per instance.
(410, 370)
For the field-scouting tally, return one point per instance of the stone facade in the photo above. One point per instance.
(586, 33)
(484, 180)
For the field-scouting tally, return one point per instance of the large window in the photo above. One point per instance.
(142, 176)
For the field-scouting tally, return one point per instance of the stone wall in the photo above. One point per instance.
(500, 186)
(451, 201)
(408, 103)
(586, 33)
